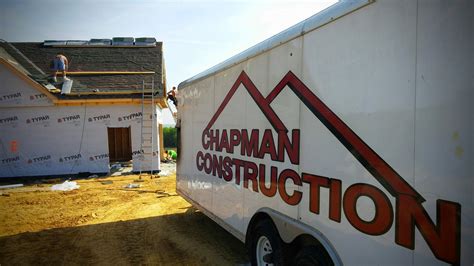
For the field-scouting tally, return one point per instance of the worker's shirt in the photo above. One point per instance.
(173, 154)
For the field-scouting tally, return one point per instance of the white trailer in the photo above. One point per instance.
(345, 139)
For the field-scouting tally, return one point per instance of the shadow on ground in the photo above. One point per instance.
(188, 238)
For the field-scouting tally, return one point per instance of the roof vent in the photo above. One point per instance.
(145, 41)
(54, 42)
(76, 42)
(122, 41)
(100, 42)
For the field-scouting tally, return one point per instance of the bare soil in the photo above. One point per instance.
(109, 224)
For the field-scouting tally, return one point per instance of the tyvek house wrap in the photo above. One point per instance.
(54, 140)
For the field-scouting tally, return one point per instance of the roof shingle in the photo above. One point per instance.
(107, 58)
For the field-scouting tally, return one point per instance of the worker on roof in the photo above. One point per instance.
(60, 63)
(172, 96)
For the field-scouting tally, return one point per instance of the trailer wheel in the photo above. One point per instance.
(266, 246)
(311, 255)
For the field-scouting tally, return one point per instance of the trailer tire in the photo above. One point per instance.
(311, 255)
(266, 245)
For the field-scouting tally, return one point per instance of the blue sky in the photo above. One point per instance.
(196, 35)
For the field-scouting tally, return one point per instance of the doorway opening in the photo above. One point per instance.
(120, 144)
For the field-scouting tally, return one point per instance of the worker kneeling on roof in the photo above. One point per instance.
(59, 63)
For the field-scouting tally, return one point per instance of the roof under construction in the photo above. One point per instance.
(97, 72)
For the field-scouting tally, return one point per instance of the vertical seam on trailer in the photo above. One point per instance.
(414, 111)
(214, 180)
(300, 110)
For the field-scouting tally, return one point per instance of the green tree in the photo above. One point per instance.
(170, 137)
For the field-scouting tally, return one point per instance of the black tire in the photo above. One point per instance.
(312, 256)
(266, 229)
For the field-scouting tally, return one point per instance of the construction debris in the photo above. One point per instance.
(66, 186)
(116, 165)
(51, 181)
(131, 185)
(163, 173)
(11, 186)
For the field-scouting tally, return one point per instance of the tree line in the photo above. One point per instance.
(170, 137)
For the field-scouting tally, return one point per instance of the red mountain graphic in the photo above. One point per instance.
(381, 170)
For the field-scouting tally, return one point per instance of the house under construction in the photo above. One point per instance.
(110, 112)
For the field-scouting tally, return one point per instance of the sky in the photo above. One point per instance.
(196, 34)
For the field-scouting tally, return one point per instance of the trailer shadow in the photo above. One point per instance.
(188, 238)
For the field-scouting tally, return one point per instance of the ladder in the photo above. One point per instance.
(148, 126)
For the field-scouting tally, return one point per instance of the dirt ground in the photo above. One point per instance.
(105, 223)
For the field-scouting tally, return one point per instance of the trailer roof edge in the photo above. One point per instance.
(328, 15)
